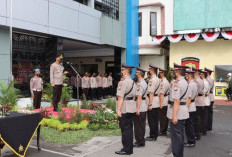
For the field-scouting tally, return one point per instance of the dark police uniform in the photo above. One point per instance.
(179, 91)
(127, 89)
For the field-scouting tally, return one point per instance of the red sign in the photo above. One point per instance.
(191, 61)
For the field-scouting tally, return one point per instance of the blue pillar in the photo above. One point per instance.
(132, 35)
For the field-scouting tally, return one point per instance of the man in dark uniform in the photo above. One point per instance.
(178, 111)
(154, 104)
(56, 80)
(126, 108)
(141, 113)
(211, 97)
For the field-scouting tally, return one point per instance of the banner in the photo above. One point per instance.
(220, 91)
(191, 62)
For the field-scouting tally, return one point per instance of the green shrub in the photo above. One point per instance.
(66, 95)
(83, 124)
(111, 104)
(48, 93)
(85, 104)
(75, 116)
(94, 127)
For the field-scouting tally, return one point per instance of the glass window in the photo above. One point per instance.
(153, 24)
(140, 24)
(221, 72)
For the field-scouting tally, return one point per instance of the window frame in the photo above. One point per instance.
(151, 24)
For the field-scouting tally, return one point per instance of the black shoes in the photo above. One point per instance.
(162, 134)
(150, 138)
(122, 152)
(197, 138)
(138, 144)
(203, 134)
(188, 145)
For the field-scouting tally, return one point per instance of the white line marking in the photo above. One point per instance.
(50, 151)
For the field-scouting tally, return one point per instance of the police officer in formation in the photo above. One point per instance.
(141, 106)
(126, 109)
(36, 88)
(163, 96)
(56, 79)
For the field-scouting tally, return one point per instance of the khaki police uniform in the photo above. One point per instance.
(99, 87)
(153, 115)
(210, 108)
(85, 85)
(179, 91)
(93, 86)
(200, 107)
(164, 89)
(110, 85)
(36, 87)
(105, 87)
(140, 121)
(127, 89)
(56, 77)
(189, 124)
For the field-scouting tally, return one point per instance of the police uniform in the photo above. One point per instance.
(127, 89)
(110, 85)
(105, 87)
(206, 99)
(153, 115)
(93, 86)
(99, 87)
(140, 120)
(199, 105)
(211, 97)
(85, 85)
(179, 91)
(56, 77)
(164, 89)
(36, 87)
(189, 124)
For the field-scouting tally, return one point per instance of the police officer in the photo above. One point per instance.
(211, 97)
(85, 85)
(126, 108)
(199, 102)
(163, 97)
(178, 111)
(110, 84)
(189, 124)
(154, 104)
(105, 86)
(206, 103)
(99, 86)
(36, 87)
(56, 79)
(141, 113)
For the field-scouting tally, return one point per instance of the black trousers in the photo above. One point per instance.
(204, 116)
(189, 128)
(163, 119)
(105, 92)
(74, 91)
(229, 93)
(198, 122)
(110, 90)
(37, 99)
(126, 125)
(57, 91)
(153, 117)
(85, 92)
(99, 92)
(140, 127)
(93, 93)
(210, 117)
(177, 138)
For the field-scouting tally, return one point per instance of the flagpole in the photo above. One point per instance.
(11, 43)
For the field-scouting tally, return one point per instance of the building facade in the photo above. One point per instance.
(95, 35)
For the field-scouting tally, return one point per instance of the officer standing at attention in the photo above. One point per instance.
(189, 124)
(105, 86)
(141, 113)
(36, 86)
(211, 97)
(163, 96)
(126, 108)
(178, 111)
(99, 86)
(154, 104)
(206, 103)
(85, 85)
(56, 80)
(199, 103)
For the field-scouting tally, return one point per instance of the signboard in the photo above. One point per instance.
(191, 61)
(220, 91)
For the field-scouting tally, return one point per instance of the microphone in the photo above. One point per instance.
(69, 63)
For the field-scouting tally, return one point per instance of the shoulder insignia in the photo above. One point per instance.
(119, 86)
(150, 83)
(175, 87)
(138, 87)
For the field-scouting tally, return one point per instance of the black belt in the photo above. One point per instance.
(172, 103)
(129, 98)
(193, 100)
(155, 94)
(211, 92)
(165, 95)
(143, 98)
(200, 94)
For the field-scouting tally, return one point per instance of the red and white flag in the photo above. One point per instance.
(210, 36)
(227, 34)
(175, 38)
(191, 37)
(159, 39)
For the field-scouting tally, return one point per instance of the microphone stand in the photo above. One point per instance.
(78, 76)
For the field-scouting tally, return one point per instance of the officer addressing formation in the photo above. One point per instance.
(186, 102)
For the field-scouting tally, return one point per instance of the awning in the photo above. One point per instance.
(192, 37)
